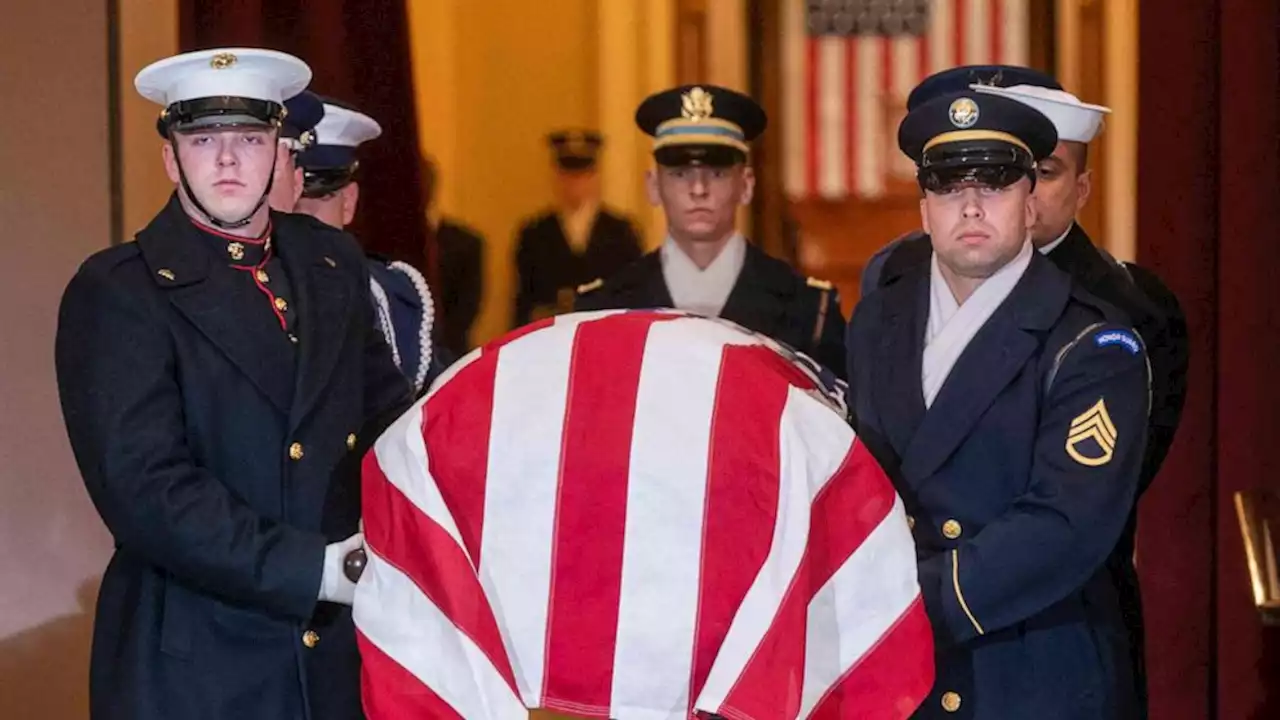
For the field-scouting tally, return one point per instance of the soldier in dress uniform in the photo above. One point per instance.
(701, 147)
(402, 300)
(575, 242)
(1062, 189)
(1009, 406)
(212, 375)
(460, 250)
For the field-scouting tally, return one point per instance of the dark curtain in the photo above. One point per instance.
(1208, 189)
(358, 51)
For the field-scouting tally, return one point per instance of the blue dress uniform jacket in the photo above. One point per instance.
(209, 451)
(1155, 313)
(769, 298)
(1019, 480)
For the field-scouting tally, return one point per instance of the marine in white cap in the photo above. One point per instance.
(220, 378)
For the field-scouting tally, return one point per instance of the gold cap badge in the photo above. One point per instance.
(222, 61)
(696, 105)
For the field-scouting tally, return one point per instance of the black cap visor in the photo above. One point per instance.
(709, 155)
(219, 112)
(319, 182)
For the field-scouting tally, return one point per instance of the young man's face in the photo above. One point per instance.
(227, 169)
(1063, 184)
(977, 229)
(701, 201)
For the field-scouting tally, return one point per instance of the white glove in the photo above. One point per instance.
(334, 585)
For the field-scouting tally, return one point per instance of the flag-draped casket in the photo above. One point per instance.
(635, 515)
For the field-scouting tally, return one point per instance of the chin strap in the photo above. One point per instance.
(221, 224)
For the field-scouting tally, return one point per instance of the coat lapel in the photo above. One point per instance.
(760, 296)
(207, 294)
(897, 390)
(992, 360)
(324, 300)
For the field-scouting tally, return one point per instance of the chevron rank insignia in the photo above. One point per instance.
(1091, 440)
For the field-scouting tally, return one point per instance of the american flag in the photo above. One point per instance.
(848, 66)
(635, 514)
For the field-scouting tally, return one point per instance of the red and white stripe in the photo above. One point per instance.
(843, 97)
(634, 515)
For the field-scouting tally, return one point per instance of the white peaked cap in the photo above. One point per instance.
(251, 73)
(1076, 121)
(345, 127)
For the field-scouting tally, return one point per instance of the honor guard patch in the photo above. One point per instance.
(1091, 439)
(1123, 338)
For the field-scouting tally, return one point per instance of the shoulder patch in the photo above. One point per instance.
(593, 285)
(814, 282)
(1123, 338)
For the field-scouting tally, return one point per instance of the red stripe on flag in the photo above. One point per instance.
(851, 114)
(389, 692)
(812, 135)
(407, 539)
(960, 30)
(850, 506)
(996, 24)
(736, 534)
(591, 511)
(456, 422)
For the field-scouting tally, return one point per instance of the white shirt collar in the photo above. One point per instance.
(1046, 249)
(695, 290)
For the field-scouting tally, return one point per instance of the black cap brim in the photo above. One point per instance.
(709, 155)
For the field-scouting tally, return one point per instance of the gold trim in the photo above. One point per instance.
(955, 580)
(963, 135)
(1093, 423)
(682, 140)
(706, 122)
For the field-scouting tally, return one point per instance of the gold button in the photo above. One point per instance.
(950, 701)
(295, 451)
(311, 638)
(351, 441)
(911, 522)
(951, 529)
(262, 276)
(281, 305)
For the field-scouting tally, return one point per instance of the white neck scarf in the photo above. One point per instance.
(577, 224)
(702, 291)
(951, 325)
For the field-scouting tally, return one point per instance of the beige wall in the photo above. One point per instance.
(493, 78)
(148, 32)
(54, 211)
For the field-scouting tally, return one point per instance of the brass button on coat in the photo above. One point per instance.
(950, 701)
(281, 305)
(911, 522)
(295, 451)
(351, 441)
(311, 638)
(951, 529)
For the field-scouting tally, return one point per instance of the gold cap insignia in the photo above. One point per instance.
(222, 61)
(588, 287)
(1093, 424)
(235, 250)
(963, 112)
(696, 105)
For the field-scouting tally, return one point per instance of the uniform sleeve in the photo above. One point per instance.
(830, 350)
(1088, 454)
(387, 392)
(122, 405)
(524, 281)
(870, 278)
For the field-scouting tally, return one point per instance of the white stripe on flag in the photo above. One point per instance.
(832, 77)
(941, 35)
(666, 495)
(530, 390)
(803, 443)
(794, 100)
(402, 455)
(977, 48)
(869, 118)
(1016, 32)
(849, 615)
(431, 647)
